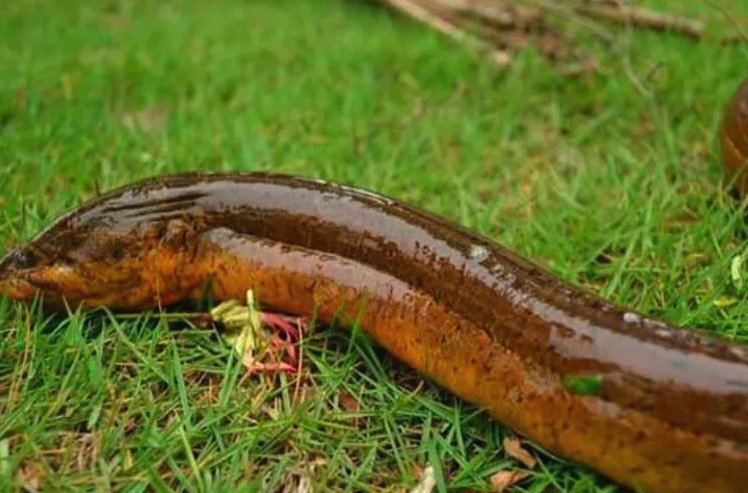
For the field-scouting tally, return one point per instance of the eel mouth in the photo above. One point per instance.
(17, 288)
(15, 281)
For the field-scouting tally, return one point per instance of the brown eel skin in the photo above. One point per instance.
(669, 411)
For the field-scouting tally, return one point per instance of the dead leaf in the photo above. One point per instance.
(297, 480)
(304, 485)
(260, 338)
(416, 471)
(318, 462)
(513, 448)
(501, 58)
(29, 477)
(87, 446)
(550, 44)
(349, 402)
(504, 479)
(427, 482)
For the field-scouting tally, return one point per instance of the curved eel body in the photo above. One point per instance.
(734, 138)
(669, 409)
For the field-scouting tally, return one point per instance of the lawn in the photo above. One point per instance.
(610, 180)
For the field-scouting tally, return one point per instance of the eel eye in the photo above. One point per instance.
(23, 259)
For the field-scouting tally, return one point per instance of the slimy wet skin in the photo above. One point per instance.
(734, 138)
(669, 412)
(81, 262)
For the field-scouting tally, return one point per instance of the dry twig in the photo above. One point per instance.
(642, 17)
(741, 34)
(499, 27)
(428, 16)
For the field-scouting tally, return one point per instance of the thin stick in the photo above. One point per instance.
(742, 34)
(300, 363)
(495, 12)
(642, 17)
(422, 14)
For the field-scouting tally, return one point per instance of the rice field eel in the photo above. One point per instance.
(659, 407)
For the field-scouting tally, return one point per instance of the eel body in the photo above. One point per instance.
(668, 411)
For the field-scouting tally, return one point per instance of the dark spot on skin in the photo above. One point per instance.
(738, 447)
(161, 231)
(66, 260)
(117, 253)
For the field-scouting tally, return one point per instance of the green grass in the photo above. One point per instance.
(96, 94)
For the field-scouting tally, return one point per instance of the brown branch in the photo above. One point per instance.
(498, 27)
(444, 26)
(642, 17)
(495, 12)
(741, 34)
